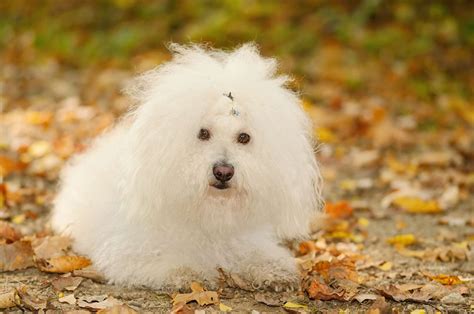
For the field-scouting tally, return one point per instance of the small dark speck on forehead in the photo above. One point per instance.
(230, 96)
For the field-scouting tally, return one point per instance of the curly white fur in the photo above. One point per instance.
(139, 201)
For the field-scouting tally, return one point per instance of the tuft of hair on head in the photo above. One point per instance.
(245, 61)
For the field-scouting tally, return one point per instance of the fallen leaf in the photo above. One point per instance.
(118, 309)
(380, 306)
(66, 283)
(8, 165)
(402, 239)
(448, 280)
(9, 233)
(198, 294)
(393, 292)
(50, 246)
(306, 247)
(366, 296)
(408, 287)
(62, 264)
(224, 308)
(98, 302)
(418, 311)
(39, 117)
(17, 255)
(268, 299)
(386, 266)
(338, 210)
(453, 298)
(39, 149)
(69, 299)
(292, 305)
(90, 273)
(319, 290)
(416, 205)
(9, 299)
(30, 302)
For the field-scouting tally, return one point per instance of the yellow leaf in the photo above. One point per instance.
(325, 135)
(39, 117)
(420, 311)
(196, 287)
(402, 239)
(18, 219)
(291, 305)
(363, 222)
(224, 308)
(39, 149)
(417, 206)
(386, 266)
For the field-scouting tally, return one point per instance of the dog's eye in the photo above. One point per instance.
(243, 138)
(204, 134)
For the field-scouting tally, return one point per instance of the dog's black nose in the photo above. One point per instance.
(223, 172)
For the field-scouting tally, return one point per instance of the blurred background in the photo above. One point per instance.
(392, 76)
(388, 84)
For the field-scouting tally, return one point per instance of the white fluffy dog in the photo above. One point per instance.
(212, 169)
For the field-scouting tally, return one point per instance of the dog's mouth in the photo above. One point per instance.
(220, 185)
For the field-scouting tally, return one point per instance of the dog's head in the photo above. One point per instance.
(218, 140)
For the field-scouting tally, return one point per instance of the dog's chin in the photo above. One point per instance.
(220, 189)
(220, 185)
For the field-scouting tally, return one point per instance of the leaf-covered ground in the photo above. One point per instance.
(389, 86)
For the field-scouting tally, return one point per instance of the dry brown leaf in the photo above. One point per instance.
(198, 294)
(118, 309)
(98, 302)
(366, 296)
(69, 299)
(63, 264)
(66, 283)
(50, 246)
(9, 299)
(30, 302)
(17, 255)
(380, 306)
(393, 292)
(268, 298)
(9, 232)
(90, 273)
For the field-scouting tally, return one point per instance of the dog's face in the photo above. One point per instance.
(223, 145)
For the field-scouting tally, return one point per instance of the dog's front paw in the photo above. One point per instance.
(277, 282)
(269, 276)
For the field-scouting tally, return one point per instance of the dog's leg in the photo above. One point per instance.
(264, 264)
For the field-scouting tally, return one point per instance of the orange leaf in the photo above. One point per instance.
(338, 210)
(446, 279)
(63, 264)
